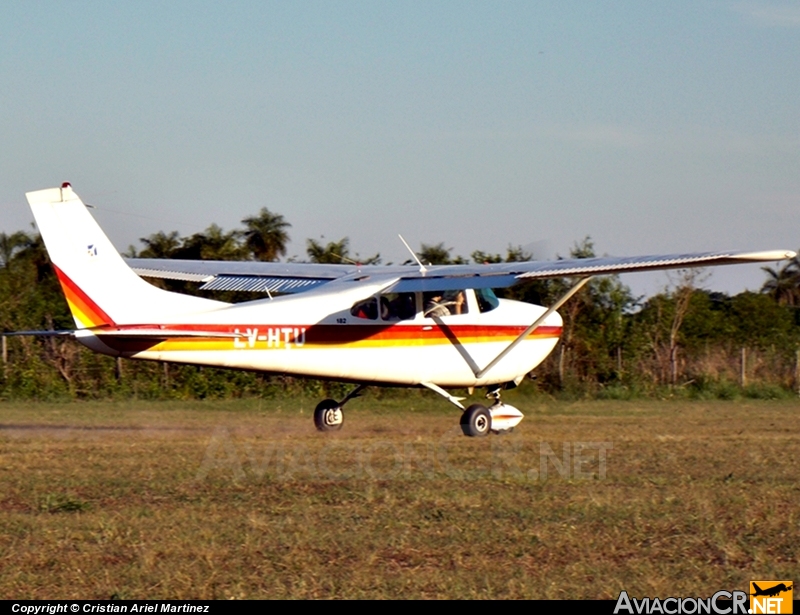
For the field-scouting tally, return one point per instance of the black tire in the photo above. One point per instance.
(476, 421)
(328, 415)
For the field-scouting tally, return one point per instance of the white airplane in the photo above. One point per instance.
(439, 327)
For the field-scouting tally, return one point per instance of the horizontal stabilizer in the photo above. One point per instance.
(158, 333)
(153, 333)
(62, 333)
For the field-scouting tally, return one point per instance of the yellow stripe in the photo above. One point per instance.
(202, 345)
(79, 315)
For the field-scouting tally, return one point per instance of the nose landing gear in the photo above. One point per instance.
(499, 418)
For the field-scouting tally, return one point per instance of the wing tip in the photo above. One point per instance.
(767, 255)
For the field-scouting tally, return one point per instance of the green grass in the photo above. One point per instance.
(243, 499)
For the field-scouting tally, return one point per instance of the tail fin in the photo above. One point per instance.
(99, 286)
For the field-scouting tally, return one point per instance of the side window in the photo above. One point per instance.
(398, 306)
(366, 309)
(444, 303)
(487, 300)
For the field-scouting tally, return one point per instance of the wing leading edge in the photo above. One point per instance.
(300, 277)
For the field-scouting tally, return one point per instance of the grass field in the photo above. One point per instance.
(246, 500)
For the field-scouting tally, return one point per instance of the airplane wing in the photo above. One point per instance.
(298, 277)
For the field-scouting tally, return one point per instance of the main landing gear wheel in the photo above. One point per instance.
(328, 415)
(476, 421)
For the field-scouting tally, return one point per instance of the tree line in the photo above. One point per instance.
(683, 341)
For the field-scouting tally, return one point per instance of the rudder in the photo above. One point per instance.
(99, 286)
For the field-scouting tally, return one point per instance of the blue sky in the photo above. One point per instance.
(653, 127)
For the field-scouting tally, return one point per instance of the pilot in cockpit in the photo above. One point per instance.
(439, 304)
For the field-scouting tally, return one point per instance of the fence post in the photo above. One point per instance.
(797, 371)
(743, 368)
(5, 354)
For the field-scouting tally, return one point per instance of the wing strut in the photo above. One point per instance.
(456, 401)
(564, 298)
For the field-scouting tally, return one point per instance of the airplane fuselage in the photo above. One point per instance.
(322, 337)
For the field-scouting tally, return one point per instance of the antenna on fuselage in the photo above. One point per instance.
(422, 268)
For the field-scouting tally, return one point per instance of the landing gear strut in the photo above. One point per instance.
(329, 414)
(504, 417)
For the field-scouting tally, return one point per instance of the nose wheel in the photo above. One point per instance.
(476, 421)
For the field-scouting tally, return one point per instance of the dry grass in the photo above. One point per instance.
(234, 500)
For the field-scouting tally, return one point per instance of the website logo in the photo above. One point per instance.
(771, 597)
(721, 603)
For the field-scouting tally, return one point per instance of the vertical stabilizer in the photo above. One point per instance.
(99, 286)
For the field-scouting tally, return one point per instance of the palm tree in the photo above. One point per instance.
(11, 244)
(33, 251)
(160, 245)
(218, 245)
(266, 235)
(438, 255)
(337, 252)
(783, 284)
(334, 252)
(435, 255)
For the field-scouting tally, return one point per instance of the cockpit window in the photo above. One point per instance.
(447, 303)
(366, 309)
(398, 306)
(487, 300)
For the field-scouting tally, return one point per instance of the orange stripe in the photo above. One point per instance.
(335, 336)
(331, 333)
(205, 345)
(83, 309)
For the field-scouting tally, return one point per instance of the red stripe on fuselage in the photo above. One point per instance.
(344, 334)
